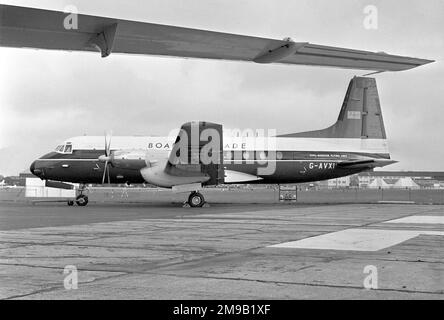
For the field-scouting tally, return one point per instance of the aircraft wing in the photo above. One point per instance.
(232, 176)
(45, 29)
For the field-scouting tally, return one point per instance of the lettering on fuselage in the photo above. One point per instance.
(235, 146)
(322, 165)
(159, 145)
(166, 146)
(327, 155)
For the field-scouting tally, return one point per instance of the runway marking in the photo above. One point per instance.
(356, 239)
(419, 220)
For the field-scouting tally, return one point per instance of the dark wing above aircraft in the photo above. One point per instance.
(44, 29)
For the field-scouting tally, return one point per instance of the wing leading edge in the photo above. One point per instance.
(22, 27)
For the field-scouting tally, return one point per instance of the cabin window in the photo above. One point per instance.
(262, 155)
(228, 155)
(287, 155)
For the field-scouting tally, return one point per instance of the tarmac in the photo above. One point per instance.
(225, 251)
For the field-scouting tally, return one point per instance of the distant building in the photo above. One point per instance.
(26, 174)
(406, 183)
(20, 180)
(391, 179)
(378, 183)
(364, 180)
(343, 182)
(421, 179)
(15, 181)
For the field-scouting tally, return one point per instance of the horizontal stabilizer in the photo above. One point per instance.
(365, 163)
(22, 27)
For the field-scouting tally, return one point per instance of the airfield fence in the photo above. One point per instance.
(420, 196)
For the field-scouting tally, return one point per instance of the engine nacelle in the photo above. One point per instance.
(157, 175)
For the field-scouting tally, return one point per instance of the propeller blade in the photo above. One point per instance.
(106, 157)
(108, 136)
(104, 171)
(109, 181)
(106, 143)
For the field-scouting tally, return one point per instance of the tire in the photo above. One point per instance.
(70, 203)
(196, 200)
(82, 200)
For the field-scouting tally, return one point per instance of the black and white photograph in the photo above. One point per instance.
(221, 155)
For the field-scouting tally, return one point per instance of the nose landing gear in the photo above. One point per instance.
(81, 199)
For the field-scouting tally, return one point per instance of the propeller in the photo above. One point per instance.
(107, 157)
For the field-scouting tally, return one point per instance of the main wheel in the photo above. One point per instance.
(196, 200)
(70, 203)
(82, 200)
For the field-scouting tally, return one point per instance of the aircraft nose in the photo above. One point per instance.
(32, 167)
(34, 171)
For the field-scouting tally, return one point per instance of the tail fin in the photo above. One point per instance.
(360, 115)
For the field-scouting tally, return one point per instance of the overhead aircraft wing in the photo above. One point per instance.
(45, 29)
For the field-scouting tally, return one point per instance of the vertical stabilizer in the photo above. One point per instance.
(360, 115)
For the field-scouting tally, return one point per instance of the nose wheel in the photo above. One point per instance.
(196, 199)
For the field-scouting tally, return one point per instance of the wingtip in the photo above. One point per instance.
(425, 61)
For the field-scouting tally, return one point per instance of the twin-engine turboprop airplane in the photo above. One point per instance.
(202, 155)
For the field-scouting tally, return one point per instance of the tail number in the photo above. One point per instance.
(322, 165)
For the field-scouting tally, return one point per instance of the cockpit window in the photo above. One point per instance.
(68, 148)
(64, 148)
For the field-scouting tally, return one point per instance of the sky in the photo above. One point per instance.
(49, 96)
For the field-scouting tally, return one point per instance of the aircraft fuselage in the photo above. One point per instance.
(296, 160)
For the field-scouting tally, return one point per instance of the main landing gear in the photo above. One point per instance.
(196, 199)
(82, 200)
